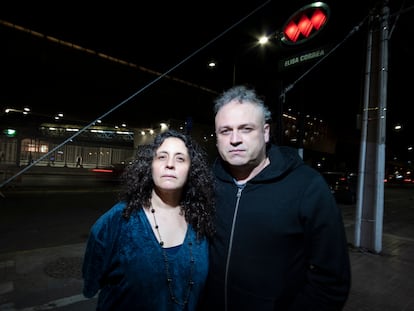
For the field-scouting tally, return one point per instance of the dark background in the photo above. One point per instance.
(89, 60)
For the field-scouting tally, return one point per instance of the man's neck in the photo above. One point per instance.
(245, 173)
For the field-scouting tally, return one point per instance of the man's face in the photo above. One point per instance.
(241, 134)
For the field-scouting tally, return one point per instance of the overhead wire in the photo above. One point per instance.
(123, 102)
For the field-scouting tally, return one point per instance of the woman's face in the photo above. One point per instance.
(171, 165)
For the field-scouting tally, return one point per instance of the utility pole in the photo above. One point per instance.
(370, 195)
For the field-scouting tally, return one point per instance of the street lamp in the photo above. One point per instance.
(24, 111)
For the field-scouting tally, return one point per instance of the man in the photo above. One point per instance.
(280, 241)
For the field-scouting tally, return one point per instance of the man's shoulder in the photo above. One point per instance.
(293, 160)
(285, 154)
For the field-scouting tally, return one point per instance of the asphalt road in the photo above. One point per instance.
(45, 218)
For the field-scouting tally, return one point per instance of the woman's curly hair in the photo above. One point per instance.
(197, 202)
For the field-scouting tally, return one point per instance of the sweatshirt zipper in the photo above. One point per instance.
(238, 195)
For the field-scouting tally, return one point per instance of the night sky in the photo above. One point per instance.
(111, 56)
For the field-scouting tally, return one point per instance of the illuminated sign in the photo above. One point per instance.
(10, 132)
(305, 23)
(302, 58)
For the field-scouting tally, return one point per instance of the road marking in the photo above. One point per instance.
(6, 287)
(48, 306)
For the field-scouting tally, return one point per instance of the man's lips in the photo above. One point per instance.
(236, 151)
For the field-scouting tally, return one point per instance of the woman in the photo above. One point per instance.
(150, 250)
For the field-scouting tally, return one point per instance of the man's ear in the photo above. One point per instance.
(266, 132)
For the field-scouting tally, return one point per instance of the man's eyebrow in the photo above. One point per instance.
(239, 125)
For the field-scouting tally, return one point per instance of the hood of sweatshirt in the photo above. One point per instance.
(283, 159)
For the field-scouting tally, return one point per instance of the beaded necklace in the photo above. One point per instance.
(167, 267)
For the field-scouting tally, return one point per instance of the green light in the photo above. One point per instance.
(10, 132)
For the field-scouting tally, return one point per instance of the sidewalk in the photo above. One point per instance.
(50, 278)
(43, 279)
(382, 282)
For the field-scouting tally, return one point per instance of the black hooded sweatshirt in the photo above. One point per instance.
(280, 242)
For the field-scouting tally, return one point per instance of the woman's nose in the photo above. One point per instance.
(170, 163)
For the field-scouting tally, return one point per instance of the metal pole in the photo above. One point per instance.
(370, 203)
(383, 80)
(363, 145)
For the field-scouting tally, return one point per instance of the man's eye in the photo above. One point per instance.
(246, 129)
(225, 132)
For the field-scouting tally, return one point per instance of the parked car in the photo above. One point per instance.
(343, 186)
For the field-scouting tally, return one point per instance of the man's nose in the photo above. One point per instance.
(235, 137)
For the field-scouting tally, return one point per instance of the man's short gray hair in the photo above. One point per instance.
(242, 94)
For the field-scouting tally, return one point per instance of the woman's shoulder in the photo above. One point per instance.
(115, 210)
(111, 215)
